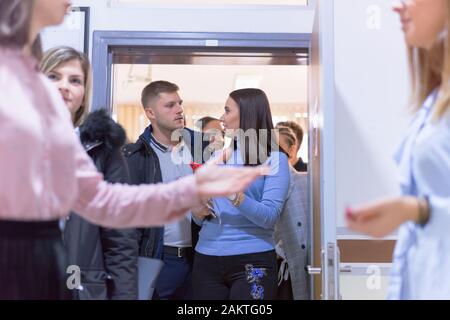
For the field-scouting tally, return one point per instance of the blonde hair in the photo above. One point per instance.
(430, 69)
(54, 58)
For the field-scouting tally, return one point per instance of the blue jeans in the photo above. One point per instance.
(174, 281)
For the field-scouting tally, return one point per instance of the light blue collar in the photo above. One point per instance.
(403, 156)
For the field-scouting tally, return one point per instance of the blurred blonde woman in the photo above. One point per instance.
(421, 257)
(107, 257)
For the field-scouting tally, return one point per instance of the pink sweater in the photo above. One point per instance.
(45, 172)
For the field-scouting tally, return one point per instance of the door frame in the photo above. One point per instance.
(325, 251)
(104, 43)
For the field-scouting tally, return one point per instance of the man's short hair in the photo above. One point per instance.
(295, 127)
(153, 89)
(203, 122)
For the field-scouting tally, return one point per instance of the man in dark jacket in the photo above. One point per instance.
(163, 153)
(106, 257)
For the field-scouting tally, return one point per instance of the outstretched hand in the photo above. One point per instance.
(215, 181)
(381, 218)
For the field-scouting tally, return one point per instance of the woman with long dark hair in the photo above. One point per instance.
(45, 172)
(235, 255)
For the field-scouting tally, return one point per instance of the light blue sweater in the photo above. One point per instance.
(250, 227)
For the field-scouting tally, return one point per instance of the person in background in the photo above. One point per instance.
(46, 173)
(209, 123)
(288, 141)
(296, 161)
(213, 130)
(421, 260)
(107, 257)
(291, 230)
(235, 256)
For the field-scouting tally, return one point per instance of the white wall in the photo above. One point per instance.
(371, 114)
(365, 282)
(371, 100)
(198, 19)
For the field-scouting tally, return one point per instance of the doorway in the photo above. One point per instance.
(205, 80)
(206, 67)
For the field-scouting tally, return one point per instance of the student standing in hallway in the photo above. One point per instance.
(421, 258)
(213, 131)
(163, 153)
(107, 257)
(235, 256)
(45, 171)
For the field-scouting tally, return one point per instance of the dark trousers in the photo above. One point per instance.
(32, 261)
(239, 277)
(174, 281)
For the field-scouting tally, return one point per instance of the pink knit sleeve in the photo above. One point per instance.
(117, 205)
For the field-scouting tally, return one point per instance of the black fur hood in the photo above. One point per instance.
(100, 129)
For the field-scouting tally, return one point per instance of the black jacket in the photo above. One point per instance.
(301, 166)
(107, 257)
(143, 164)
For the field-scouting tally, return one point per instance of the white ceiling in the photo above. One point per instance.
(208, 84)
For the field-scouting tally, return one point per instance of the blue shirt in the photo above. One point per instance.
(174, 164)
(421, 261)
(248, 228)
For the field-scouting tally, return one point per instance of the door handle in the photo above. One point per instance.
(318, 270)
(313, 270)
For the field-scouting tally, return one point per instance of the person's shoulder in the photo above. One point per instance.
(279, 163)
(298, 176)
(9, 67)
(444, 122)
(131, 149)
(6, 75)
(278, 156)
(277, 153)
(10, 83)
(99, 126)
(298, 183)
(434, 145)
